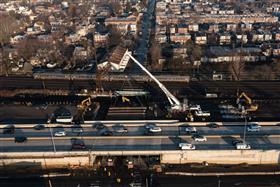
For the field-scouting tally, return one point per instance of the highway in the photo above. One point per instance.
(217, 139)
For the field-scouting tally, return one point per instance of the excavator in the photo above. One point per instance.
(82, 108)
(247, 102)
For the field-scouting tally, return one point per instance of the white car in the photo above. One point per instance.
(199, 138)
(191, 130)
(185, 146)
(152, 127)
(60, 133)
(155, 129)
(242, 146)
(253, 128)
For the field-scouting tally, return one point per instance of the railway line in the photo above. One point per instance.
(256, 89)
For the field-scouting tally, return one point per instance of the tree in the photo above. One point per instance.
(8, 26)
(115, 37)
(194, 51)
(117, 7)
(155, 53)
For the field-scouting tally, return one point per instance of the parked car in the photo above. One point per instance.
(199, 138)
(212, 125)
(39, 127)
(185, 146)
(9, 129)
(60, 133)
(253, 127)
(148, 133)
(191, 130)
(107, 133)
(20, 139)
(242, 146)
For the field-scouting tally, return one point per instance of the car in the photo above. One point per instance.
(253, 127)
(199, 138)
(152, 127)
(148, 133)
(39, 127)
(99, 126)
(234, 142)
(20, 139)
(77, 129)
(107, 133)
(121, 129)
(9, 129)
(242, 146)
(185, 146)
(60, 133)
(78, 144)
(155, 129)
(212, 125)
(191, 130)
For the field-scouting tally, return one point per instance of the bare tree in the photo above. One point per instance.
(155, 53)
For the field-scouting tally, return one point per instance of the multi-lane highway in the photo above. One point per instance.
(217, 138)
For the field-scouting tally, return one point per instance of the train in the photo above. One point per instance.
(109, 77)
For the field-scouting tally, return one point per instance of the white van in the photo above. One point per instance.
(242, 146)
(185, 146)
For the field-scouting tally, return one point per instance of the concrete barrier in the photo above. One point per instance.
(86, 158)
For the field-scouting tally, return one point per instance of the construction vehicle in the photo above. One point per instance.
(82, 108)
(176, 105)
(246, 102)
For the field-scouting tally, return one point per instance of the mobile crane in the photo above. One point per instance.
(176, 105)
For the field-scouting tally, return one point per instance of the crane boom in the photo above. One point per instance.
(175, 103)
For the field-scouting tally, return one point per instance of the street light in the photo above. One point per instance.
(244, 114)
(54, 149)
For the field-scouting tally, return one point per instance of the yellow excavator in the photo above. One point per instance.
(82, 108)
(249, 105)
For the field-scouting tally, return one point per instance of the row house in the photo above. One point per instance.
(100, 39)
(180, 38)
(224, 38)
(161, 38)
(200, 38)
(123, 24)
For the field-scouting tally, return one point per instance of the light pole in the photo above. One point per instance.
(244, 113)
(54, 149)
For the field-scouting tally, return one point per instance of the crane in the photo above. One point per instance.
(174, 102)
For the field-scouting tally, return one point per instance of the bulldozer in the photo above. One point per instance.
(244, 100)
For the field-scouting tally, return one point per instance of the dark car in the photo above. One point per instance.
(39, 127)
(20, 139)
(77, 129)
(107, 133)
(148, 133)
(9, 130)
(234, 142)
(78, 144)
(99, 126)
(212, 125)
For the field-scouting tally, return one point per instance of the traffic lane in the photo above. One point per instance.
(166, 143)
(140, 130)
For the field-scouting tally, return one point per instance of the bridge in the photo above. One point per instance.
(47, 150)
